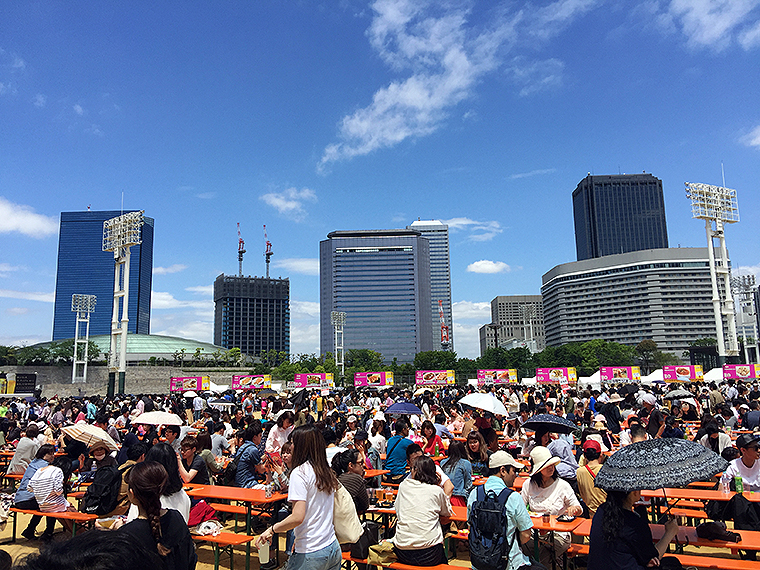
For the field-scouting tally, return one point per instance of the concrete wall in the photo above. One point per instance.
(139, 379)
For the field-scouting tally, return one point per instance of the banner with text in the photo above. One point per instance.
(682, 373)
(619, 374)
(741, 371)
(252, 382)
(497, 376)
(561, 376)
(183, 384)
(312, 380)
(373, 379)
(435, 377)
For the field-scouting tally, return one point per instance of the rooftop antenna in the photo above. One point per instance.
(241, 251)
(267, 249)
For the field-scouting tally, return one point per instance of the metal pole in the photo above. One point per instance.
(715, 296)
(124, 321)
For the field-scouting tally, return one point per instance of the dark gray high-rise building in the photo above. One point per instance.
(381, 280)
(618, 214)
(84, 268)
(252, 314)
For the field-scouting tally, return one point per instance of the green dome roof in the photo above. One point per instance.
(147, 345)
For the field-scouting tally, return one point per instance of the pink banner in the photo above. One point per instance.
(556, 376)
(252, 382)
(682, 373)
(741, 371)
(619, 374)
(497, 376)
(435, 377)
(183, 384)
(373, 379)
(312, 380)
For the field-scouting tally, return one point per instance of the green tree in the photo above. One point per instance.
(8, 355)
(435, 360)
(646, 350)
(364, 360)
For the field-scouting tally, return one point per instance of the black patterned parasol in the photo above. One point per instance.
(658, 463)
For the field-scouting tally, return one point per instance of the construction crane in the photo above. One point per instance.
(267, 249)
(445, 342)
(241, 251)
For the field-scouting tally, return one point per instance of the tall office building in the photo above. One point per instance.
(659, 294)
(84, 268)
(381, 280)
(518, 320)
(252, 314)
(437, 234)
(618, 214)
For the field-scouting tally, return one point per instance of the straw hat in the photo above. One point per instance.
(597, 438)
(541, 458)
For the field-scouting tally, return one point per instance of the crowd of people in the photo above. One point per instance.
(308, 444)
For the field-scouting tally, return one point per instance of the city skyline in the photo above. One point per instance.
(310, 117)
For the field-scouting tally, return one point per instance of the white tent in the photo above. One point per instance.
(714, 375)
(594, 380)
(528, 381)
(656, 375)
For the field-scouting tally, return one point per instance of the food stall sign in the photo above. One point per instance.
(682, 373)
(251, 382)
(435, 377)
(373, 379)
(312, 380)
(185, 383)
(497, 376)
(559, 376)
(620, 374)
(741, 371)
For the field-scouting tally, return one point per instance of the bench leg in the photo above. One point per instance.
(15, 518)
(216, 557)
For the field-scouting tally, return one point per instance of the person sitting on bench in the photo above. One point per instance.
(24, 498)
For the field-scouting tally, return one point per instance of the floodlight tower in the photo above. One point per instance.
(82, 305)
(717, 206)
(119, 234)
(338, 319)
(743, 286)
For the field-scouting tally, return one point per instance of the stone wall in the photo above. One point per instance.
(138, 379)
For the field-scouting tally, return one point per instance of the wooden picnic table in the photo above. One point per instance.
(697, 495)
(370, 473)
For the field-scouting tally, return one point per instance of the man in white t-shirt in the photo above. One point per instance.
(413, 452)
(747, 466)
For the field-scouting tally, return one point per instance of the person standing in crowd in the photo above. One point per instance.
(395, 459)
(311, 493)
(656, 421)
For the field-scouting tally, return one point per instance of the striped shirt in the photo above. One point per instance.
(47, 486)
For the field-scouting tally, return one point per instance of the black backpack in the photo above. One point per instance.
(102, 495)
(227, 477)
(489, 544)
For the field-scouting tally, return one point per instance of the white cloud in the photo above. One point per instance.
(535, 76)
(304, 338)
(94, 129)
(203, 289)
(290, 202)
(488, 266)
(22, 340)
(748, 270)
(78, 109)
(18, 63)
(4, 88)
(184, 326)
(176, 268)
(466, 340)
(17, 310)
(22, 219)
(28, 295)
(532, 173)
(304, 310)
(480, 231)
(715, 24)
(39, 100)
(206, 195)
(752, 138)
(7, 268)
(471, 311)
(162, 300)
(302, 265)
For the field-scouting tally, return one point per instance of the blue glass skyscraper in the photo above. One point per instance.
(83, 267)
(381, 280)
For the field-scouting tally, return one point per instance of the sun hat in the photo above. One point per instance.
(649, 399)
(541, 458)
(503, 459)
(746, 439)
(380, 416)
(600, 418)
(601, 426)
(614, 399)
(351, 418)
(598, 439)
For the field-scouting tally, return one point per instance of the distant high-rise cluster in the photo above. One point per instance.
(381, 280)
(516, 321)
(84, 268)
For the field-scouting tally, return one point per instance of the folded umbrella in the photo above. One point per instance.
(551, 423)
(403, 408)
(90, 435)
(158, 419)
(485, 402)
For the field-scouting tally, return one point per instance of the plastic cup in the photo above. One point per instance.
(546, 518)
(264, 552)
(389, 496)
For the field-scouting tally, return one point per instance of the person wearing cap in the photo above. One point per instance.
(545, 492)
(656, 421)
(747, 466)
(586, 474)
(502, 471)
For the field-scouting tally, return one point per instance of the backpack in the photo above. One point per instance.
(102, 495)
(489, 545)
(227, 477)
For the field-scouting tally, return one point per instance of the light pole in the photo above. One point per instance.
(82, 305)
(717, 206)
(338, 319)
(743, 286)
(119, 234)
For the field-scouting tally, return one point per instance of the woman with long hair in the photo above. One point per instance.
(477, 453)
(433, 442)
(349, 468)
(421, 507)
(459, 470)
(174, 496)
(155, 527)
(620, 538)
(311, 492)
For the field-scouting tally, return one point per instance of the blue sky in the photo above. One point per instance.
(311, 117)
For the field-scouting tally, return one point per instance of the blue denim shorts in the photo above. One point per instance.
(327, 558)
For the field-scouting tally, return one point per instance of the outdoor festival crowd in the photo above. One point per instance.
(423, 455)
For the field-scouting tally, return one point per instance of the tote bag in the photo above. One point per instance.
(348, 528)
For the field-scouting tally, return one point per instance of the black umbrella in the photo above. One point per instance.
(628, 389)
(658, 463)
(266, 392)
(550, 422)
(300, 399)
